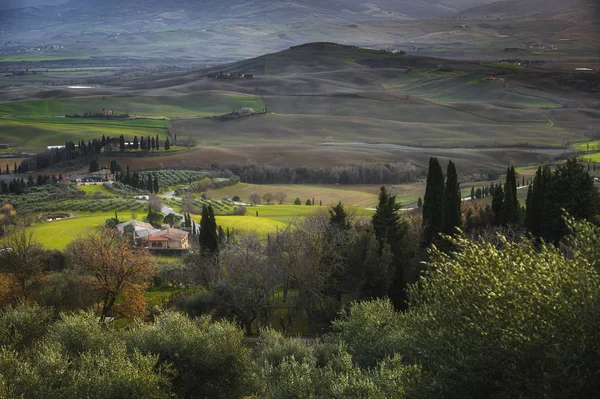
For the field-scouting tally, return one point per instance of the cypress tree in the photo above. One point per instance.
(167, 144)
(535, 200)
(209, 240)
(420, 203)
(433, 205)
(472, 193)
(155, 184)
(510, 206)
(498, 205)
(390, 231)
(452, 217)
(149, 185)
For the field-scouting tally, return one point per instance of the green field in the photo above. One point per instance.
(591, 157)
(29, 57)
(151, 106)
(328, 195)
(58, 234)
(36, 134)
(587, 146)
(95, 190)
(284, 213)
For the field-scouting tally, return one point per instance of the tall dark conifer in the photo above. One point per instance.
(209, 240)
(498, 205)
(570, 188)
(452, 217)
(433, 204)
(510, 206)
(535, 200)
(390, 231)
(338, 217)
(155, 184)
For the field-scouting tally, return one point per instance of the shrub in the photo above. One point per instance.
(297, 201)
(210, 357)
(24, 323)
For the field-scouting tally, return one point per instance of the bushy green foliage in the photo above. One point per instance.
(49, 373)
(514, 321)
(22, 324)
(295, 369)
(79, 332)
(209, 357)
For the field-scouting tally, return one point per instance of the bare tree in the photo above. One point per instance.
(24, 261)
(280, 197)
(113, 269)
(244, 293)
(268, 198)
(155, 203)
(254, 198)
(311, 255)
(187, 202)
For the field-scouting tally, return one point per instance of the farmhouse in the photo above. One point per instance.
(107, 112)
(141, 231)
(145, 235)
(169, 239)
(94, 177)
(247, 111)
(4, 146)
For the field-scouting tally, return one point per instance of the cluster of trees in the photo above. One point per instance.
(7, 169)
(477, 324)
(268, 198)
(20, 186)
(71, 151)
(322, 258)
(569, 188)
(136, 180)
(16, 186)
(144, 143)
(442, 202)
(85, 149)
(366, 173)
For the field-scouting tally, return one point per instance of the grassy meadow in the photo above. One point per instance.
(58, 234)
(328, 195)
(147, 106)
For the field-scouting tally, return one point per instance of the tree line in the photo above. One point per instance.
(569, 188)
(86, 149)
(366, 173)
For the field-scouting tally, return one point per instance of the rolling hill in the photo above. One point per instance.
(330, 106)
(569, 10)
